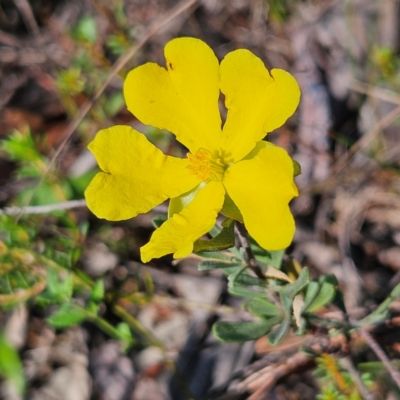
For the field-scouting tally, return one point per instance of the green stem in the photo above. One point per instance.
(137, 326)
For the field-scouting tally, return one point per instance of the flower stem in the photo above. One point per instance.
(243, 236)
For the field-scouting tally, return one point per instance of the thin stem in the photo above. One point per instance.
(63, 205)
(348, 365)
(105, 326)
(137, 326)
(394, 373)
(243, 237)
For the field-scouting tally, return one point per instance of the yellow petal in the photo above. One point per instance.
(177, 234)
(182, 98)
(257, 102)
(137, 176)
(262, 188)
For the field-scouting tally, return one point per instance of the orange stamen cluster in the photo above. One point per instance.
(205, 167)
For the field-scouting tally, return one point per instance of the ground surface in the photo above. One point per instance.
(54, 56)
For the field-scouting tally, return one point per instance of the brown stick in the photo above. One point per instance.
(242, 235)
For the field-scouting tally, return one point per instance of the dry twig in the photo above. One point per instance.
(242, 235)
(394, 373)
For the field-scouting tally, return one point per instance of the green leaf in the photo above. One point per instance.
(311, 293)
(242, 331)
(292, 289)
(277, 334)
(20, 147)
(296, 168)
(208, 265)
(158, 220)
(382, 312)
(97, 293)
(58, 290)
(288, 292)
(68, 314)
(215, 255)
(241, 291)
(10, 365)
(124, 331)
(270, 258)
(224, 240)
(230, 210)
(79, 183)
(248, 280)
(326, 293)
(114, 104)
(232, 278)
(86, 29)
(263, 308)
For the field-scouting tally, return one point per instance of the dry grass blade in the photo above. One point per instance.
(154, 28)
(28, 17)
(375, 91)
(64, 205)
(388, 119)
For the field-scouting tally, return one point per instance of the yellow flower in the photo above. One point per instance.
(228, 168)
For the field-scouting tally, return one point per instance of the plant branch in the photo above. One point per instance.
(64, 205)
(394, 373)
(243, 237)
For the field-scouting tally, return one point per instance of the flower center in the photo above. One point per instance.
(205, 166)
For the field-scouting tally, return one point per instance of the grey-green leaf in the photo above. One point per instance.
(224, 240)
(326, 294)
(298, 285)
(277, 334)
(242, 331)
(263, 308)
(207, 265)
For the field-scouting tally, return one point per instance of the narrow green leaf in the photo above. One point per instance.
(242, 291)
(263, 308)
(67, 315)
(271, 258)
(10, 365)
(158, 220)
(288, 292)
(311, 293)
(242, 331)
(297, 286)
(208, 265)
(277, 334)
(382, 312)
(232, 278)
(247, 280)
(97, 293)
(215, 255)
(320, 292)
(325, 295)
(224, 240)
